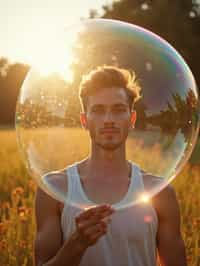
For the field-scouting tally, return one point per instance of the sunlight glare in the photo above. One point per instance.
(51, 55)
(145, 198)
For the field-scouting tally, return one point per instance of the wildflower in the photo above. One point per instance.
(3, 244)
(23, 219)
(196, 222)
(32, 185)
(22, 244)
(2, 228)
(22, 210)
(18, 191)
(16, 195)
(5, 205)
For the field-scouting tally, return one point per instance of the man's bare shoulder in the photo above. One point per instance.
(164, 200)
(55, 181)
(151, 181)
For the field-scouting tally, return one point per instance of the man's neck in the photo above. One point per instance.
(106, 163)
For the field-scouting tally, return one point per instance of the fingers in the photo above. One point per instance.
(93, 238)
(92, 223)
(91, 234)
(99, 210)
(93, 215)
(93, 219)
(100, 227)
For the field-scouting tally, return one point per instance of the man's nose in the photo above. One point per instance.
(108, 117)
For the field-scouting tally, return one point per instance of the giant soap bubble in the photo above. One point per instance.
(48, 127)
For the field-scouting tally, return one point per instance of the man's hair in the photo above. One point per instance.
(107, 77)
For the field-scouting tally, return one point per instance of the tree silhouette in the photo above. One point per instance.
(11, 78)
(172, 20)
(176, 21)
(179, 115)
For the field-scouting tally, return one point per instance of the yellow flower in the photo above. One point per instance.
(18, 191)
(3, 244)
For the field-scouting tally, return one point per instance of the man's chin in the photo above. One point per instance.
(110, 146)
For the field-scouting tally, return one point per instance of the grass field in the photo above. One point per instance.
(17, 189)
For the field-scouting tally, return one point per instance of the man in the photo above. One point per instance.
(132, 236)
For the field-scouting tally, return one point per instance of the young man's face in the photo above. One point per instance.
(108, 118)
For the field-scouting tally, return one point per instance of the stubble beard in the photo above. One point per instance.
(109, 145)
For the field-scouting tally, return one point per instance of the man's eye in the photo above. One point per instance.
(97, 111)
(120, 110)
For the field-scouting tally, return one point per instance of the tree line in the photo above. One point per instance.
(176, 21)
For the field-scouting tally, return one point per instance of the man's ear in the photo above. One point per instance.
(83, 120)
(133, 118)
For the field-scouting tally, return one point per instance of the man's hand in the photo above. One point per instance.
(92, 224)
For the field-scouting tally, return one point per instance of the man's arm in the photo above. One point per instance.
(170, 244)
(48, 249)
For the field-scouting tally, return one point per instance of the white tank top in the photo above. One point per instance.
(131, 236)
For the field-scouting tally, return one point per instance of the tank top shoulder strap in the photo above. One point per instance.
(137, 178)
(75, 192)
(74, 189)
(136, 184)
(70, 171)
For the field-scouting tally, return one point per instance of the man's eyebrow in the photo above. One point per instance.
(119, 105)
(98, 105)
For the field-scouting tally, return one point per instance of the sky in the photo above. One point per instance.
(24, 23)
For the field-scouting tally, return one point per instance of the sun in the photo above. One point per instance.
(50, 54)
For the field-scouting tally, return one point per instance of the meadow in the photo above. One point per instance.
(17, 189)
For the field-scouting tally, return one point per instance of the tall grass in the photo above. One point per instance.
(17, 225)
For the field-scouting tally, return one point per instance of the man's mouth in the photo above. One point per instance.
(109, 130)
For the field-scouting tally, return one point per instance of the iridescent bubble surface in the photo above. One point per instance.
(48, 128)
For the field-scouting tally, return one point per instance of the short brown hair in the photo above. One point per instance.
(106, 77)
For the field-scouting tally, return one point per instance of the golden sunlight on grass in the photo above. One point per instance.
(17, 190)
